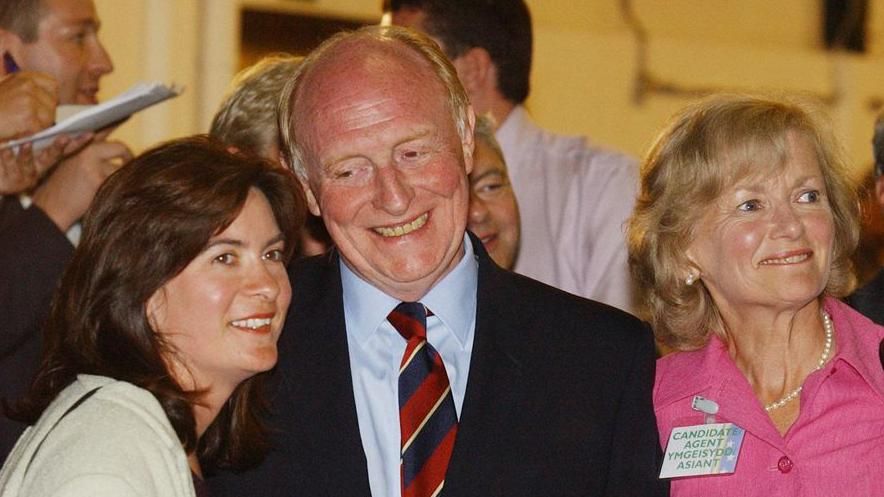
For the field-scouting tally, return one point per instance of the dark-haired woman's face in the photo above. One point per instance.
(223, 314)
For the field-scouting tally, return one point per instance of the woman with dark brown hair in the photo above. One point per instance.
(162, 329)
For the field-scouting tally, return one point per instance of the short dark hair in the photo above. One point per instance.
(147, 222)
(878, 146)
(22, 17)
(501, 27)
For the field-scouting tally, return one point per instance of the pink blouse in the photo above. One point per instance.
(835, 447)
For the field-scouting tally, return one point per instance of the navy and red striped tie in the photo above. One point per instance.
(427, 418)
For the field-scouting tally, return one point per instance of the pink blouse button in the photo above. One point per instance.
(784, 464)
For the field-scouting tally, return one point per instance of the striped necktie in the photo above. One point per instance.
(427, 418)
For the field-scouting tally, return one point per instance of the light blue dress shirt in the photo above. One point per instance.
(376, 350)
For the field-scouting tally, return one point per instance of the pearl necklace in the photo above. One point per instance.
(827, 349)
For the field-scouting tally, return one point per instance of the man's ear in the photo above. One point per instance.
(8, 42)
(474, 68)
(312, 203)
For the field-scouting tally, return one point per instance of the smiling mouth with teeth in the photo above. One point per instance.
(403, 229)
(252, 324)
(792, 259)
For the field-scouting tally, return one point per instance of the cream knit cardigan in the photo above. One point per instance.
(116, 443)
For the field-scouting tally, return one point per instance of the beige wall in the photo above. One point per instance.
(585, 78)
(586, 61)
(153, 40)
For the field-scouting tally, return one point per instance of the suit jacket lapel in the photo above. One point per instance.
(493, 387)
(320, 383)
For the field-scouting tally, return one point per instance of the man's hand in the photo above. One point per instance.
(27, 104)
(19, 173)
(67, 192)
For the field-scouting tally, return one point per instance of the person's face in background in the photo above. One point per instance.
(68, 49)
(222, 315)
(494, 213)
(387, 168)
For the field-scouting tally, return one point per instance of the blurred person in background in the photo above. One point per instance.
(38, 231)
(574, 196)
(27, 105)
(494, 212)
(869, 299)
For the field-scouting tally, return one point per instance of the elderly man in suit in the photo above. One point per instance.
(411, 364)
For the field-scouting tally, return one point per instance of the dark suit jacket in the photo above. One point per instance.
(558, 398)
(869, 299)
(33, 254)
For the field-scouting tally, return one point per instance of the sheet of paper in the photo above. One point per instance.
(63, 112)
(96, 117)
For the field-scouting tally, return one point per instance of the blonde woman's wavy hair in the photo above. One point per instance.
(706, 148)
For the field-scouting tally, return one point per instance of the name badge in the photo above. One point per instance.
(708, 449)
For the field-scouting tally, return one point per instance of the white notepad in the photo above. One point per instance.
(86, 118)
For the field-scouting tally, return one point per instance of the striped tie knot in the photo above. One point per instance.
(410, 320)
(427, 417)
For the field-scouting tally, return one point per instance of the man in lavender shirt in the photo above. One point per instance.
(573, 196)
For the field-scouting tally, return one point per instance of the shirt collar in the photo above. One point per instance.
(689, 373)
(855, 340)
(452, 299)
(510, 129)
(857, 343)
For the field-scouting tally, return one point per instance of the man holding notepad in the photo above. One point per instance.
(58, 38)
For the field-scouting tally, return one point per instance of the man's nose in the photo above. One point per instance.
(393, 191)
(99, 60)
(478, 210)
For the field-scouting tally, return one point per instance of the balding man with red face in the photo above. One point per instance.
(411, 364)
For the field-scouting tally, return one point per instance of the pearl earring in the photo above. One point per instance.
(690, 279)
